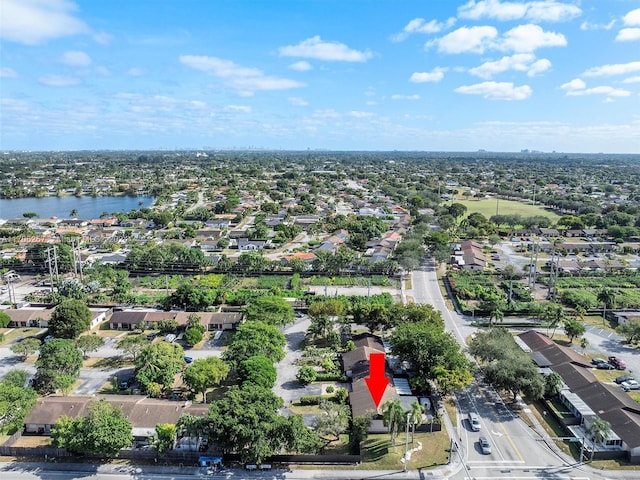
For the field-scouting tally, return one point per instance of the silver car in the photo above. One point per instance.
(484, 445)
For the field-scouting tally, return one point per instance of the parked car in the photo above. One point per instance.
(605, 366)
(484, 445)
(623, 378)
(630, 385)
(188, 359)
(596, 361)
(618, 363)
(474, 422)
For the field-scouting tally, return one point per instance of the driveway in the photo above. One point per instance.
(287, 386)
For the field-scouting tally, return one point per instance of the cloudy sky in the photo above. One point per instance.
(549, 75)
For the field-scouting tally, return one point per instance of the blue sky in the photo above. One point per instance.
(549, 75)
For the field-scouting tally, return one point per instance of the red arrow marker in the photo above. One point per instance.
(376, 381)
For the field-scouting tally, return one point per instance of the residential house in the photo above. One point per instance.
(587, 399)
(39, 317)
(212, 321)
(143, 413)
(468, 256)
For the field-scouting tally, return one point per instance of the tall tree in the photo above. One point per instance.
(255, 338)
(393, 417)
(573, 328)
(15, 401)
(270, 309)
(103, 431)
(258, 370)
(243, 422)
(69, 319)
(158, 364)
(204, 374)
(331, 422)
(26, 347)
(599, 430)
(89, 343)
(133, 344)
(607, 297)
(57, 358)
(415, 417)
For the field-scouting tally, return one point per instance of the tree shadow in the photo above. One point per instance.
(113, 362)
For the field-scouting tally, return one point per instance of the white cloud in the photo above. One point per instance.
(6, 72)
(537, 11)
(136, 71)
(245, 79)
(398, 96)
(58, 81)
(528, 38)
(103, 71)
(318, 49)
(465, 39)
(301, 66)
(238, 108)
(632, 18)
(575, 84)
(328, 113)
(578, 87)
(597, 26)
(602, 90)
(631, 80)
(628, 35)
(613, 69)
(521, 62)
(496, 90)
(76, 59)
(359, 114)
(33, 22)
(420, 25)
(434, 76)
(520, 39)
(298, 102)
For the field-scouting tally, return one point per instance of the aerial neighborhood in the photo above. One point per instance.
(222, 308)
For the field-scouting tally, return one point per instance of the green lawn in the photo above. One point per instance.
(379, 454)
(487, 207)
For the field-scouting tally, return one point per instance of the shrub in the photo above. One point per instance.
(330, 389)
(306, 375)
(312, 399)
(330, 377)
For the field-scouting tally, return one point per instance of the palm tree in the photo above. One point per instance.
(415, 416)
(554, 315)
(393, 418)
(584, 343)
(598, 431)
(580, 312)
(608, 297)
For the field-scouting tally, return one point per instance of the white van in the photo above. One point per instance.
(474, 422)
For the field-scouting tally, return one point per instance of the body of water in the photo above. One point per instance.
(87, 207)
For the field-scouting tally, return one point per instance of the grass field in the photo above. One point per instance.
(487, 207)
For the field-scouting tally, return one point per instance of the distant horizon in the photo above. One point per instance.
(318, 150)
(367, 75)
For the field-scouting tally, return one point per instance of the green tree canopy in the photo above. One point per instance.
(26, 347)
(89, 343)
(57, 358)
(133, 344)
(427, 346)
(270, 309)
(205, 373)
(159, 363)
(103, 431)
(69, 319)
(244, 421)
(15, 401)
(4, 320)
(258, 370)
(256, 338)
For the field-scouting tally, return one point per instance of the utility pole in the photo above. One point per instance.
(50, 267)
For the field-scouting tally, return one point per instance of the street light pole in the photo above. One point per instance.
(406, 442)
